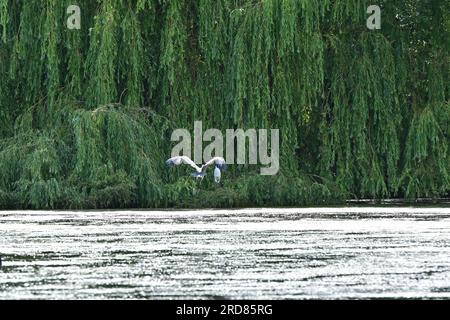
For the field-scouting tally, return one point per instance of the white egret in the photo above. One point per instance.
(178, 160)
(219, 164)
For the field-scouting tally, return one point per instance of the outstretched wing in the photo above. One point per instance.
(219, 162)
(176, 161)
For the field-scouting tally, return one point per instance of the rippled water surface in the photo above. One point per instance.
(253, 253)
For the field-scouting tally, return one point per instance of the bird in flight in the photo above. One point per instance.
(200, 172)
(219, 165)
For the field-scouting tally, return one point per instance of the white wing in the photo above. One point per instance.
(176, 161)
(219, 161)
(188, 161)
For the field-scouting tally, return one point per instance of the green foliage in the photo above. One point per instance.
(362, 138)
(102, 57)
(426, 152)
(254, 190)
(86, 115)
(4, 18)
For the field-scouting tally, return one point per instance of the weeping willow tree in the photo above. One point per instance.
(86, 115)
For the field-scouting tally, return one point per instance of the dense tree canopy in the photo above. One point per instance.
(86, 115)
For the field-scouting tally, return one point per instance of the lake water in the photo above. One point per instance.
(321, 253)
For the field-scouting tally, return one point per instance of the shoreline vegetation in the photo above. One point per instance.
(86, 115)
(440, 206)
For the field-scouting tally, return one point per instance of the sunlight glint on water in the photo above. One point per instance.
(252, 253)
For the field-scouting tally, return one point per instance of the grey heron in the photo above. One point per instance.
(178, 160)
(219, 164)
